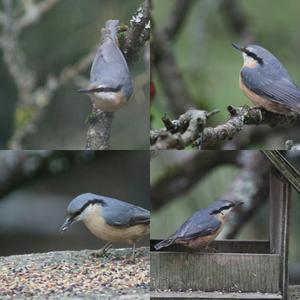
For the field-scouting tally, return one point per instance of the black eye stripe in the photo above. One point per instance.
(254, 56)
(221, 209)
(93, 201)
(107, 89)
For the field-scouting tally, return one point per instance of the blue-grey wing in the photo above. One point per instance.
(274, 85)
(110, 67)
(199, 224)
(119, 213)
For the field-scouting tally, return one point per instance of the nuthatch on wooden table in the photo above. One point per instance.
(109, 219)
(202, 227)
(266, 82)
(111, 84)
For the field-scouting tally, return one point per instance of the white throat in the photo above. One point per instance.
(249, 61)
(225, 212)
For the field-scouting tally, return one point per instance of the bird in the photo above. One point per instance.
(202, 227)
(266, 82)
(109, 219)
(110, 81)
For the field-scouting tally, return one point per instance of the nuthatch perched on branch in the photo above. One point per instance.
(111, 84)
(109, 219)
(266, 82)
(202, 227)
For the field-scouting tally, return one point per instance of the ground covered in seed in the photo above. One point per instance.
(80, 274)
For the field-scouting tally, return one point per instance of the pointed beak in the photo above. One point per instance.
(69, 221)
(238, 203)
(238, 47)
(84, 91)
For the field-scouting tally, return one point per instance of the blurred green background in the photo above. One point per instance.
(210, 65)
(66, 33)
(166, 219)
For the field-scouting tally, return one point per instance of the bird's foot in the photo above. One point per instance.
(99, 254)
(102, 251)
(131, 260)
(210, 249)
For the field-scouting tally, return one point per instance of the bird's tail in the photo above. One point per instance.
(163, 244)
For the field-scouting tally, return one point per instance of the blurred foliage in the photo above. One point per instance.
(210, 65)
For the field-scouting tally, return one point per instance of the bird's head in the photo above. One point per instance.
(223, 207)
(79, 209)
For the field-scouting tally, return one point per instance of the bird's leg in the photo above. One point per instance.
(132, 257)
(104, 249)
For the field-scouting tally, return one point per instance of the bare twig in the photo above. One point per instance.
(214, 137)
(180, 133)
(240, 117)
(42, 96)
(34, 11)
(14, 20)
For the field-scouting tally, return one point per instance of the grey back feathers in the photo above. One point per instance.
(271, 80)
(109, 66)
(201, 223)
(114, 212)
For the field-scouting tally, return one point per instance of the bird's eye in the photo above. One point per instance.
(76, 214)
(227, 207)
(254, 56)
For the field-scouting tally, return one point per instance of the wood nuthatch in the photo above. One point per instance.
(266, 82)
(111, 84)
(109, 219)
(202, 227)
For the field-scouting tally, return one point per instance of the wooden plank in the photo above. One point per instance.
(209, 272)
(294, 292)
(284, 167)
(212, 295)
(280, 196)
(223, 246)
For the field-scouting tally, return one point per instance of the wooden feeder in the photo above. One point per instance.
(239, 269)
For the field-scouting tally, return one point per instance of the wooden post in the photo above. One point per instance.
(280, 196)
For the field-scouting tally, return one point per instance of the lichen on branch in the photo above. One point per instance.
(191, 130)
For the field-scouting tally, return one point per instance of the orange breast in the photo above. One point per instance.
(267, 104)
(200, 241)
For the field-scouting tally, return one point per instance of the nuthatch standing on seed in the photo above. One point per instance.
(109, 219)
(266, 82)
(202, 227)
(111, 84)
